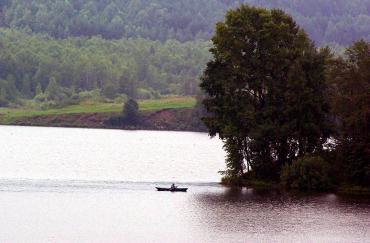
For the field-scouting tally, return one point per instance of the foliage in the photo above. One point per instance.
(350, 83)
(3, 101)
(90, 95)
(38, 89)
(306, 173)
(110, 91)
(146, 94)
(234, 158)
(130, 113)
(53, 91)
(326, 21)
(28, 64)
(265, 91)
(8, 90)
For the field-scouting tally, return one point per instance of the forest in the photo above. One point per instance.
(326, 21)
(57, 52)
(42, 68)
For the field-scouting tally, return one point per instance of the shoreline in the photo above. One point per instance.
(171, 119)
(98, 128)
(348, 190)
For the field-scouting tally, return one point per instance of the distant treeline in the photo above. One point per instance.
(326, 21)
(135, 67)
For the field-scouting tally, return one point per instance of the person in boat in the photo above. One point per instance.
(173, 187)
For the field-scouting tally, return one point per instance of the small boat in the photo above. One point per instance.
(177, 189)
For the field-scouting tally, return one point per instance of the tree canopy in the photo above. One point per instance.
(265, 91)
(115, 67)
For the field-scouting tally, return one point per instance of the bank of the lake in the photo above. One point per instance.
(170, 114)
(161, 120)
(343, 189)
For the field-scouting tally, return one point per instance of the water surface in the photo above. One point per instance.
(86, 185)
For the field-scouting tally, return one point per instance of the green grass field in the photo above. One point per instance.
(8, 115)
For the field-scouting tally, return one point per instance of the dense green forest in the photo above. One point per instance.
(56, 52)
(326, 21)
(136, 67)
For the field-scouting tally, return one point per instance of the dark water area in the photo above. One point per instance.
(273, 216)
(82, 185)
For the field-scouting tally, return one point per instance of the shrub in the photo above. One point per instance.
(306, 173)
(3, 102)
(90, 95)
(48, 104)
(144, 94)
(41, 97)
(122, 98)
(130, 113)
(110, 91)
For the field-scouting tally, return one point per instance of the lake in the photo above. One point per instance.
(89, 185)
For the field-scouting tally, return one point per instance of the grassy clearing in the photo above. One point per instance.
(8, 115)
(166, 103)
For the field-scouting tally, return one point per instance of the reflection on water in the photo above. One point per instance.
(270, 216)
(79, 185)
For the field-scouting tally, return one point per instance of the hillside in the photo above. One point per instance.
(326, 21)
(136, 67)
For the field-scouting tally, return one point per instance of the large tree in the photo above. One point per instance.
(265, 91)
